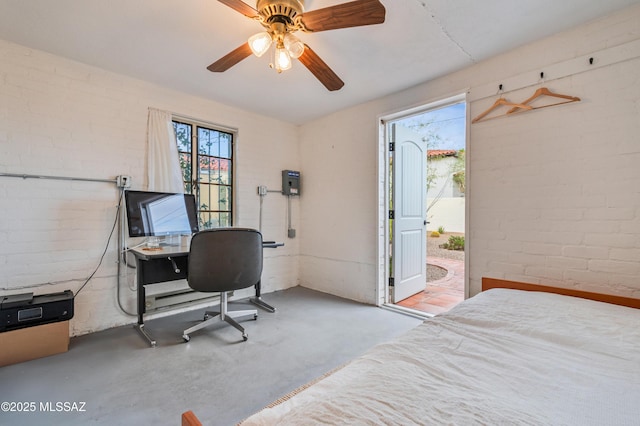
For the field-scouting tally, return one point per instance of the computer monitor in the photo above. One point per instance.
(154, 214)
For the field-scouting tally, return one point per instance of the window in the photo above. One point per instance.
(212, 181)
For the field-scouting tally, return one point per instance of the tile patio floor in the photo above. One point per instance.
(441, 295)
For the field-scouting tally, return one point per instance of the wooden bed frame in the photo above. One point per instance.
(190, 419)
(489, 283)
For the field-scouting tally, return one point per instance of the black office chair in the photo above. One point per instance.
(223, 260)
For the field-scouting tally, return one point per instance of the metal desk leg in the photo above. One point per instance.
(261, 303)
(141, 329)
(141, 305)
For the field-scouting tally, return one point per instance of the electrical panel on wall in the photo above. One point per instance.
(290, 182)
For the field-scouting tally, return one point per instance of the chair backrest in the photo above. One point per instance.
(225, 259)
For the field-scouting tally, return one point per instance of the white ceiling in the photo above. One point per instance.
(171, 42)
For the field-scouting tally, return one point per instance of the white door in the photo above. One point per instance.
(409, 212)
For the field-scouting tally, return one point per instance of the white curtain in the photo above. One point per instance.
(163, 165)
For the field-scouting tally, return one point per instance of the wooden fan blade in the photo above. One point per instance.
(242, 7)
(230, 59)
(353, 14)
(320, 69)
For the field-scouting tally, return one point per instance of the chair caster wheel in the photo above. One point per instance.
(206, 317)
(186, 337)
(245, 337)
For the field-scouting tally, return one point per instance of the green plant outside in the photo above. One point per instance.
(456, 242)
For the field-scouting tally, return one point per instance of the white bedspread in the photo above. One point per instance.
(503, 357)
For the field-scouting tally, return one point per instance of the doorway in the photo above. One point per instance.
(423, 179)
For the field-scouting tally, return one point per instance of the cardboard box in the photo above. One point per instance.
(34, 342)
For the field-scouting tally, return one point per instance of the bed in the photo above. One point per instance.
(517, 355)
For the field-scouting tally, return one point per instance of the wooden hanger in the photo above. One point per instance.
(543, 91)
(499, 102)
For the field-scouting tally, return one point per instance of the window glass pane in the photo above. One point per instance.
(225, 219)
(185, 166)
(215, 220)
(225, 172)
(224, 198)
(212, 192)
(225, 145)
(211, 181)
(208, 142)
(215, 171)
(183, 136)
(205, 197)
(183, 139)
(207, 220)
(206, 169)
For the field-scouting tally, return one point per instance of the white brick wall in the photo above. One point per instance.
(339, 245)
(62, 118)
(574, 167)
(553, 193)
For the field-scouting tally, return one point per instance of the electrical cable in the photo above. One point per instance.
(84, 280)
(122, 258)
(115, 222)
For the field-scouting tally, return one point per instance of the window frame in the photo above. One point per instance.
(195, 185)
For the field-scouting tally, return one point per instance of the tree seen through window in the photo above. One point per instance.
(212, 182)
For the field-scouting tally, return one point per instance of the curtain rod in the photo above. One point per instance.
(28, 176)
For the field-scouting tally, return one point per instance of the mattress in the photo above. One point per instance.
(503, 357)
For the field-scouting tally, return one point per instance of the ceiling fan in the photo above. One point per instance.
(282, 18)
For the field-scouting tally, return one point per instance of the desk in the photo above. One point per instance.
(169, 263)
(257, 300)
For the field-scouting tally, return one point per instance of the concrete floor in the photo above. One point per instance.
(123, 381)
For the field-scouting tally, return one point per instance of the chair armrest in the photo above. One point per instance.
(271, 244)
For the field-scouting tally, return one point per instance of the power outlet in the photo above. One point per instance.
(123, 181)
(291, 233)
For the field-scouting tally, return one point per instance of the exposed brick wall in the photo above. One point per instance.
(63, 118)
(553, 193)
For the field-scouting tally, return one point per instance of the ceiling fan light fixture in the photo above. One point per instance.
(260, 43)
(293, 45)
(280, 18)
(282, 60)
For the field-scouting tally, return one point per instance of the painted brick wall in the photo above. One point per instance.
(339, 246)
(62, 118)
(553, 194)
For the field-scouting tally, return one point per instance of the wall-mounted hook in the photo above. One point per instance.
(591, 61)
